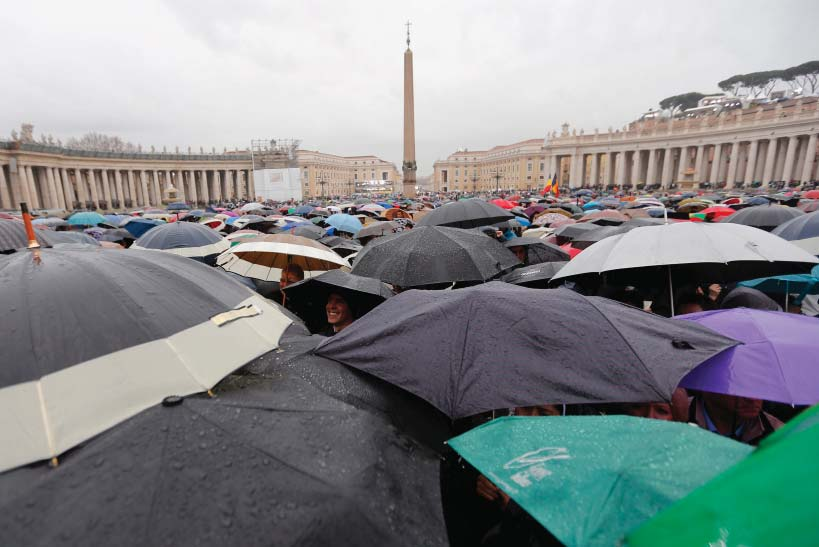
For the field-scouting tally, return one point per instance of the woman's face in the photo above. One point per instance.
(338, 312)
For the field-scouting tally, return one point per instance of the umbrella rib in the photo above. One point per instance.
(157, 483)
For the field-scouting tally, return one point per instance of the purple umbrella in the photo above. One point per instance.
(777, 361)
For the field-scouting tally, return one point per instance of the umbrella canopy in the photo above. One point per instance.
(809, 206)
(178, 206)
(55, 239)
(303, 210)
(252, 206)
(373, 208)
(241, 236)
(377, 229)
(308, 298)
(802, 231)
(536, 276)
(769, 498)
(482, 350)
(118, 234)
(138, 226)
(693, 252)
(433, 254)
(310, 231)
(186, 239)
(537, 250)
(470, 213)
(568, 232)
(547, 219)
(504, 204)
(237, 469)
(393, 213)
(86, 218)
(748, 297)
(591, 479)
(96, 335)
(13, 235)
(607, 217)
(344, 223)
(765, 217)
(532, 210)
(776, 362)
(51, 222)
(264, 258)
(800, 284)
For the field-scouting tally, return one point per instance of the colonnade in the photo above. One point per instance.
(739, 163)
(45, 186)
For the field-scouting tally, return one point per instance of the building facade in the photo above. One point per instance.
(330, 175)
(764, 146)
(54, 177)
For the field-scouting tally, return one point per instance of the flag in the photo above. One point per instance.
(548, 188)
(556, 188)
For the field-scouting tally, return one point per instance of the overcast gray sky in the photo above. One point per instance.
(219, 73)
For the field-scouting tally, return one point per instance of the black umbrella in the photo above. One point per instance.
(433, 254)
(279, 462)
(341, 246)
(590, 237)
(469, 213)
(764, 217)
(568, 232)
(747, 297)
(186, 239)
(117, 235)
(107, 333)
(500, 346)
(308, 298)
(376, 229)
(536, 276)
(310, 231)
(67, 238)
(13, 235)
(537, 250)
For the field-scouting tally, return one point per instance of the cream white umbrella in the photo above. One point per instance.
(264, 258)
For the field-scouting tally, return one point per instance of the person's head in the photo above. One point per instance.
(655, 411)
(540, 410)
(744, 408)
(339, 314)
(292, 273)
(520, 252)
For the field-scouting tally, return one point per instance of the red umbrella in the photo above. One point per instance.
(732, 201)
(811, 194)
(504, 204)
(9, 217)
(571, 250)
(715, 213)
(809, 206)
(515, 198)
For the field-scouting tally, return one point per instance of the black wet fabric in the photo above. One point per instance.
(497, 346)
(75, 304)
(537, 250)
(277, 462)
(469, 213)
(535, 276)
(764, 217)
(433, 254)
(747, 297)
(178, 235)
(70, 238)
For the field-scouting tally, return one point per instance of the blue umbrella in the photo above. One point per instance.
(138, 226)
(86, 218)
(303, 210)
(758, 201)
(584, 192)
(384, 204)
(344, 223)
(178, 206)
(231, 220)
(801, 227)
(592, 205)
(787, 284)
(525, 222)
(117, 220)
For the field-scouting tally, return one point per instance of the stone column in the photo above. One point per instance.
(714, 178)
(203, 186)
(106, 189)
(92, 185)
(637, 168)
(651, 171)
(251, 184)
(132, 189)
(5, 195)
(750, 167)
(238, 184)
(118, 186)
(553, 163)
(52, 200)
(228, 190)
(82, 194)
(192, 188)
(770, 162)
(620, 179)
(732, 166)
(32, 188)
(68, 191)
(180, 185)
(608, 174)
(699, 163)
(143, 185)
(58, 187)
(595, 170)
(22, 179)
(668, 166)
(790, 155)
(810, 156)
(217, 185)
(683, 163)
(157, 186)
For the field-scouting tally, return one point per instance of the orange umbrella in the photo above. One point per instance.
(503, 203)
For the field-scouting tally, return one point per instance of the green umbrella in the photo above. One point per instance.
(590, 479)
(770, 498)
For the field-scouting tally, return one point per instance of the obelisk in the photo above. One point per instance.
(409, 164)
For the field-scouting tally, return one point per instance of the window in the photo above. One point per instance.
(529, 167)
(383, 175)
(541, 167)
(444, 175)
(457, 172)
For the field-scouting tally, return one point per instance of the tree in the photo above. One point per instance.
(683, 101)
(804, 76)
(100, 142)
(732, 85)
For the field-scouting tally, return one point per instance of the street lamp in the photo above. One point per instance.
(497, 181)
(322, 183)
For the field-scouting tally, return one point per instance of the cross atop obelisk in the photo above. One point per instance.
(409, 165)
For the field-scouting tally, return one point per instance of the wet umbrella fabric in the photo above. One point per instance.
(13, 235)
(92, 336)
(237, 469)
(537, 250)
(138, 226)
(117, 235)
(308, 298)
(86, 218)
(802, 231)
(764, 217)
(769, 498)
(309, 231)
(186, 239)
(470, 213)
(433, 254)
(264, 258)
(535, 276)
(591, 479)
(776, 361)
(747, 297)
(377, 229)
(67, 238)
(482, 350)
(693, 252)
(344, 223)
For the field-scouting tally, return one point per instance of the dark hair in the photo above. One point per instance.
(294, 269)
